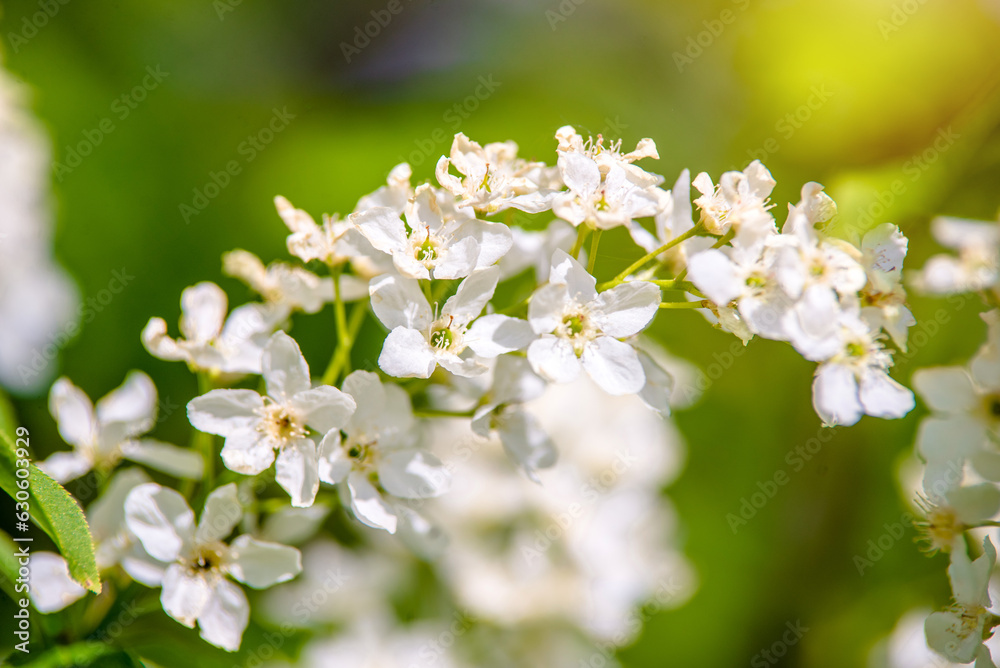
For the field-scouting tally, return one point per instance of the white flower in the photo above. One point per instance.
(255, 426)
(855, 381)
(196, 561)
(958, 633)
(740, 201)
(377, 454)
(288, 288)
(49, 584)
(883, 299)
(965, 414)
(493, 177)
(222, 346)
(433, 243)
(523, 438)
(101, 438)
(335, 242)
(578, 327)
(748, 278)
(950, 509)
(975, 268)
(418, 342)
(605, 189)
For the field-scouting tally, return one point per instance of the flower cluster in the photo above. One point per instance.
(496, 333)
(958, 444)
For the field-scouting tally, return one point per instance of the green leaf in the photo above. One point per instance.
(8, 566)
(56, 513)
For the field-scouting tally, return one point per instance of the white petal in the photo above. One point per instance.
(50, 585)
(495, 239)
(579, 172)
(184, 596)
(285, 370)
(333, 464)
(166, 457)
(413, 474)
(613, 365)
(882, 396)
(714, 273)
(368, 505)
(73, 412)
(406, 354)
(493, 335)
(131, 407)
(945, 635)
(225, 616)
(458, 259)
(324, 408)
(626, 309)
(66, 466)
(947, 389)
(246, 451)
(155, 340)
(835, 395)
(955, 437)
(472, 295)
(224, 412)
(567, 271)
(223, 511)
(106, 515)
(368, 393)
(383, 228)
(659, 385)
(399, 302)
(203, 308)
(553, 358)
(515, 382)
(525, 442)
(545, 309)
(261, 564)
(161, 519)
(975, 503)
(297, 471)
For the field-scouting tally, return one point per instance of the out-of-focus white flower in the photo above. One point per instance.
(907, 646)
(525, 442)
(951, 509)
(39, 304)
(113, 542)
(255, 427)
(965, 405)
(377, 642)
(958, 633)
(225, 347)
(196, 561)
(580, 327)
(458, 339)
(288, 288)
(855, 380)
(101, 437)
(49, 583)
(493, 177)
(975, 268)
(433, 243)
(378, 455)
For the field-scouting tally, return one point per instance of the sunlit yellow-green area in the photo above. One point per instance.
(892, 104)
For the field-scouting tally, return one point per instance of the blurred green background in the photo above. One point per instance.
(851, 93)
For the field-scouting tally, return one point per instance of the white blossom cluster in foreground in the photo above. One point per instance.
(512, 434)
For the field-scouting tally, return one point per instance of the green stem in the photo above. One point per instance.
(676, 284)
(620, 278)
(581, 236)
(698, 304)
(433, 412)
(341, 360)
(426, 286)
(592, 260)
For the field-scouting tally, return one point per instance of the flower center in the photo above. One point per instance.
(280, 424)
(940, 527)
(427, 251)
(442, 338)
(206, 558)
